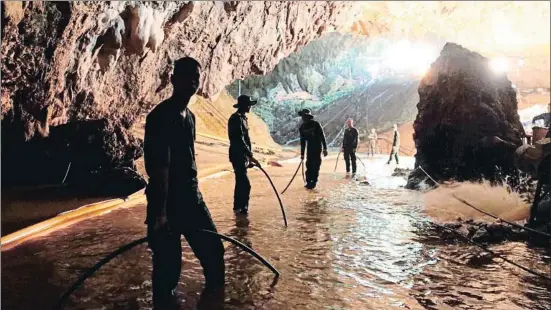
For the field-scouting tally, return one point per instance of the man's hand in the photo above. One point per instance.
(354, 150)
(254, 161)
(325, 152)
(301, 156)
(342, 149)
(161, 222)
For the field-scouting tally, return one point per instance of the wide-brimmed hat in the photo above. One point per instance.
(244, 101)
(305, 112)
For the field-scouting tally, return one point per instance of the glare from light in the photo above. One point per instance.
(521, 62)
(374, 71)
(499, 65)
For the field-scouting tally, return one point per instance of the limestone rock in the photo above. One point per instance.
(467, 126)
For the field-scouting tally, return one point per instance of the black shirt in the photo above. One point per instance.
(350, 139)
(238, 133)
(169, 155)
(311, 132)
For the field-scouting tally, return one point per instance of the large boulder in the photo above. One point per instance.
(467, 126)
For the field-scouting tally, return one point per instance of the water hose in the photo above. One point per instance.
(491, 252)
(500, 219)
(365, 168)
(294, 175)
(66, 173)
(90, 271)
(337, 162)
(491, 215)
(303, 177)
(276, 193)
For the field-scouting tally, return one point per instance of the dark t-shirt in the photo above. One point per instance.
(350, 138)
(238, 133)
(311, 133)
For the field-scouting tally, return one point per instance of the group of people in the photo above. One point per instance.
(175, 205)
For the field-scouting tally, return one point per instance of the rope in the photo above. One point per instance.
(90, 271)
(276, 193)
(337, 162)
(294, 175)
(66, 173)
(490, 251)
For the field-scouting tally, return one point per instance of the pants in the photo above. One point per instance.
(242, 189)
(394, 153)
(313, 164)
(167, 248)
(372, 148)
(349, 154)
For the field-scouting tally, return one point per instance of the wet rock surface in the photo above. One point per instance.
(467, 126)
(401, 172)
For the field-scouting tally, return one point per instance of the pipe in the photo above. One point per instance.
(66, 173)
(276, 193)
(490, 251)
(500, 219)
(294, 175)
(337, 162)
(90, 271)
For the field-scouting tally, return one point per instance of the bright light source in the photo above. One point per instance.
(499, 64)
(374, 71)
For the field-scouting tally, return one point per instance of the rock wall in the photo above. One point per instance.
(467, 126)
(66, 62)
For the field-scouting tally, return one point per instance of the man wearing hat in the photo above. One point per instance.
(311, 133)
(175, 205)
(241, 155)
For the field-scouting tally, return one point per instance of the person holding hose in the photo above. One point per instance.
(395, 146)
(349, 145)
(241, 155)
(311, 134)
(175, 205)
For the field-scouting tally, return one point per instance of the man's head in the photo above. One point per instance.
(395, 127)
(373, 130)
(244, 104)
(350, 123)
(306, 114)
(185, 77)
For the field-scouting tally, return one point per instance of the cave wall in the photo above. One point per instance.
(68, 61)
(467, 126)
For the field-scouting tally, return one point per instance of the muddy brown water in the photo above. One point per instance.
(348, 246)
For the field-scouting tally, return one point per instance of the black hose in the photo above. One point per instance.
(500, 219)
(276, 193)
(337, 162)
(362, 163)
(294, 175)
(490, 251)
(90, 271)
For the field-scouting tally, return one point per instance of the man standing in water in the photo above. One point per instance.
(395, 146)
(372, 138)
(175, 205)
(241, 155)
(311, 133)
(349, 145)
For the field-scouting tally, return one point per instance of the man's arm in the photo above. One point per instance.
(356, 139)
(302, 143)
(237, 135)
(157, 159)
(322, 136)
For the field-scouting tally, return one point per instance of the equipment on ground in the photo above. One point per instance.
(276, 193)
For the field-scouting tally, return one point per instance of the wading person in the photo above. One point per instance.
(311, 135)
(240, 152)
(395, 146)
(372, 142)
(349, 145)
(175, 205)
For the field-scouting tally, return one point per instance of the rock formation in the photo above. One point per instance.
(467, 126)
(65, 62)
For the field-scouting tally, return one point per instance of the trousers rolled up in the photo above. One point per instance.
(167, 248)
(350, 156)
(242, 190)
(313, 164)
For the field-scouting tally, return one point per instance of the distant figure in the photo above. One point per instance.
(349, 145)
(546, 117)
(372, 146)
(241, 155)
(395, 146)
(311, 133)
(175, 205)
